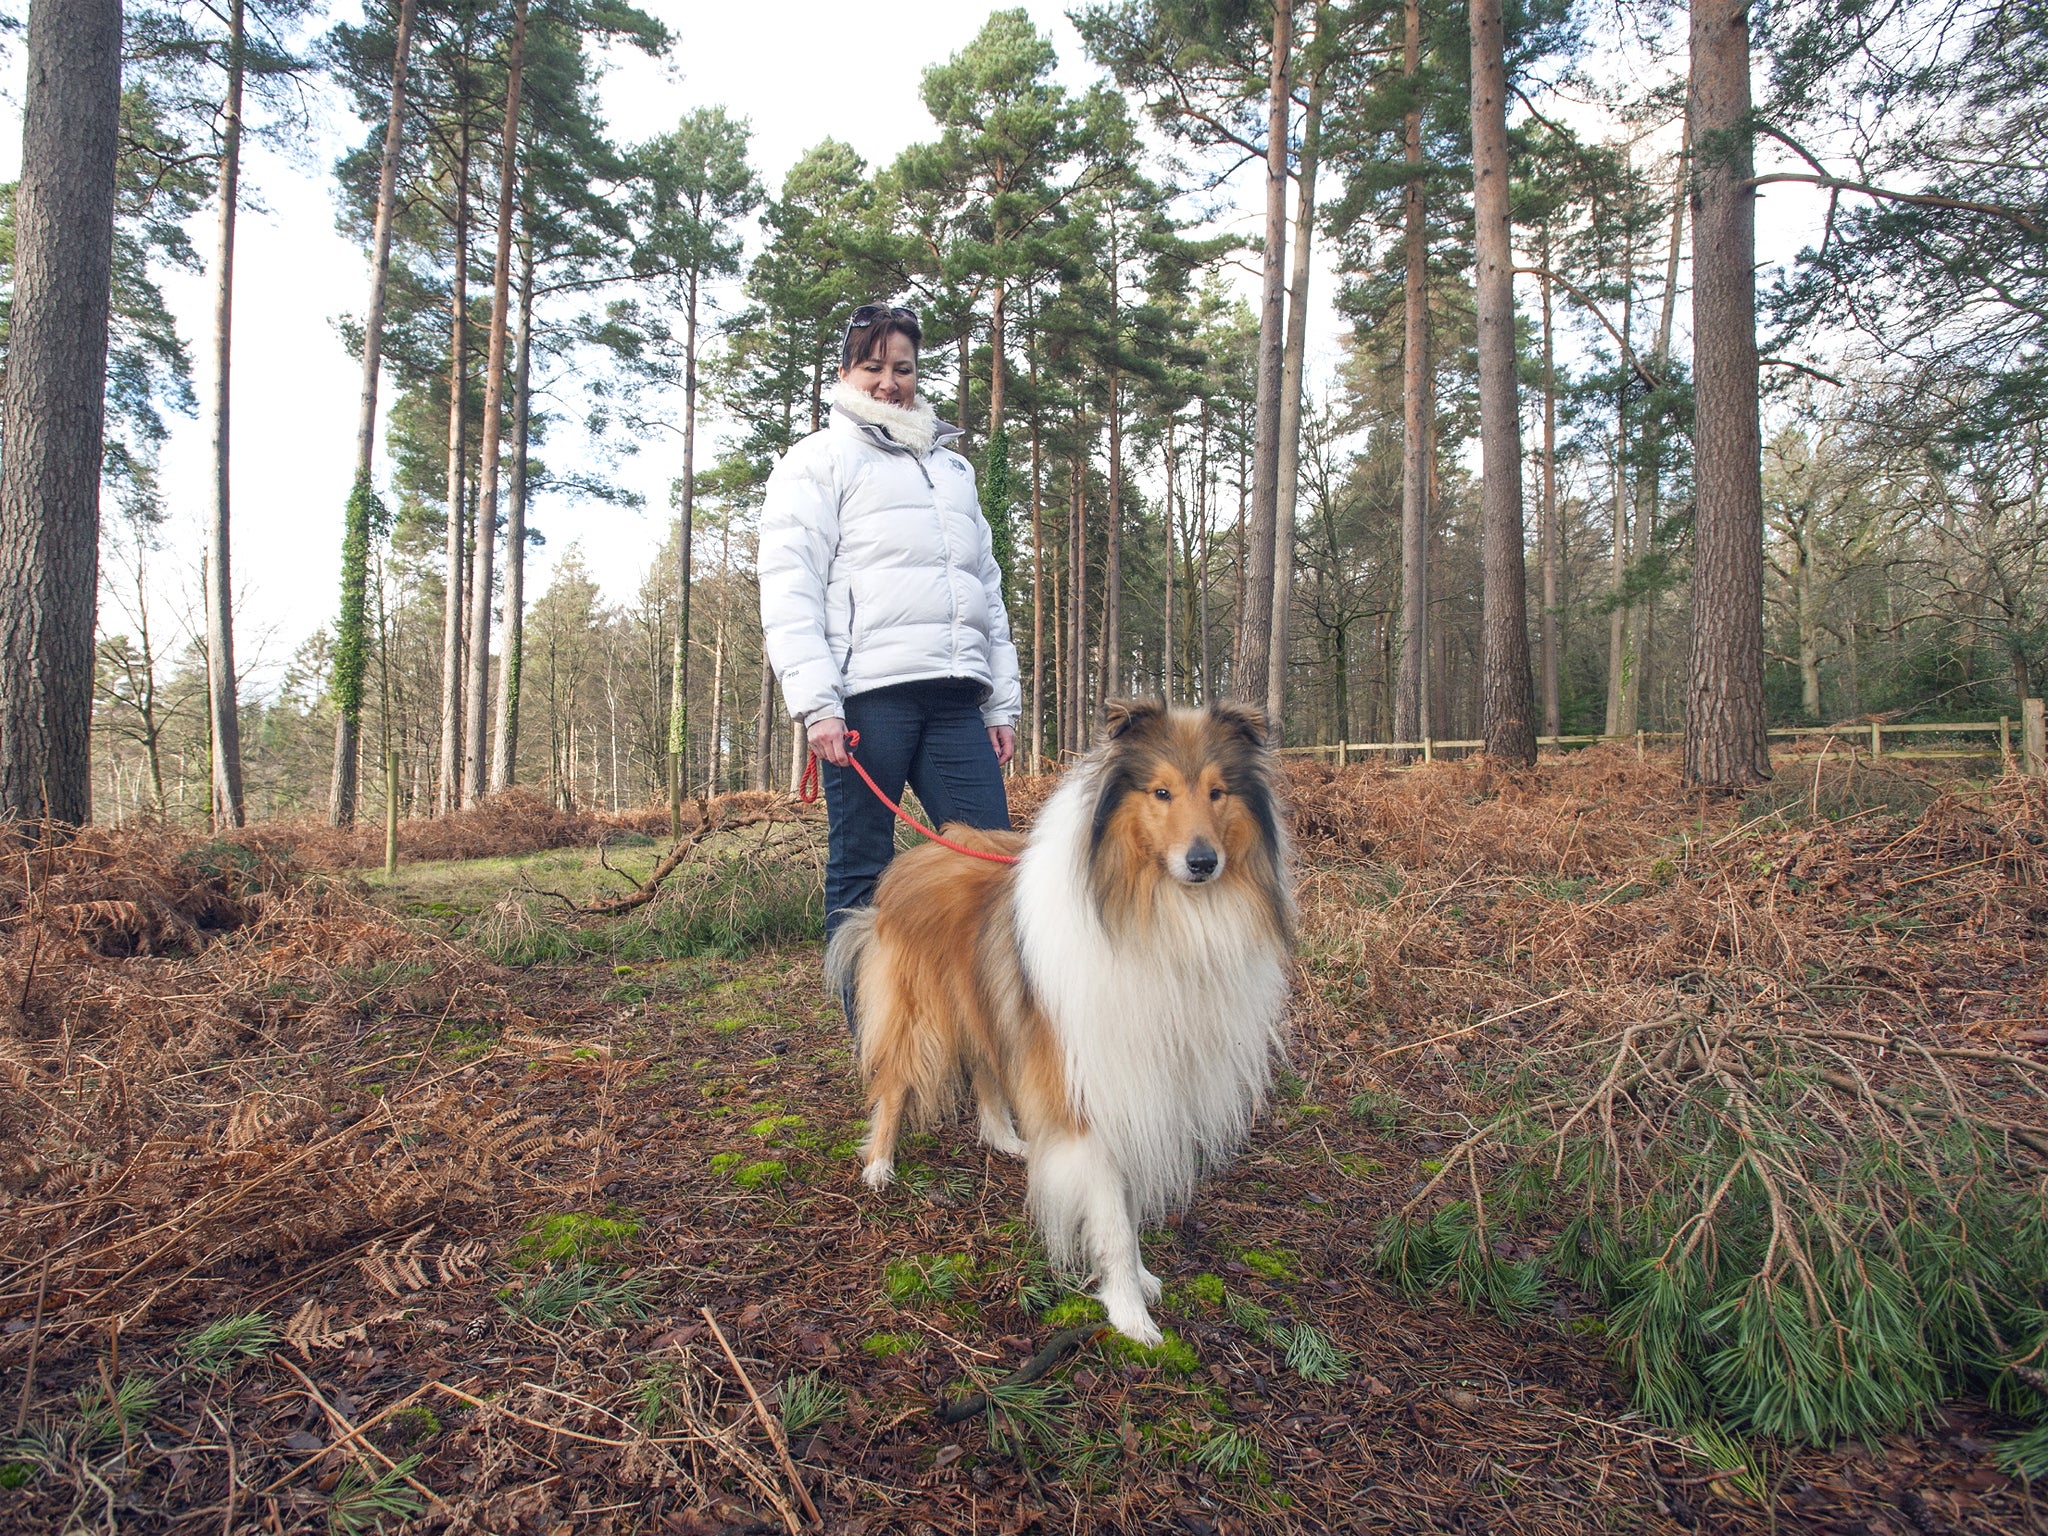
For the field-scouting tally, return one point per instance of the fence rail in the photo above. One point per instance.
(1861, 734)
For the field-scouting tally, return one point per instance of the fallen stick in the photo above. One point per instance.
(352, 1433)
(672, 861)
(767, 1420)
(355, 1434)
(1056, 1349)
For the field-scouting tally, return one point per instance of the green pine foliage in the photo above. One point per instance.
(1768, 1264)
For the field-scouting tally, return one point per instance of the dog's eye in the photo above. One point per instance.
(1215, 794)
(1162, 794)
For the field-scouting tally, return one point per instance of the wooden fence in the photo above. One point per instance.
(1880, 739)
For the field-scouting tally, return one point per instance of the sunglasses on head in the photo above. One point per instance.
(868, 314)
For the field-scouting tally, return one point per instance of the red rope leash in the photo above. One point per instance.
(807, 791)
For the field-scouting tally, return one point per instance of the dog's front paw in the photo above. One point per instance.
(1151, 1285)
(1138, 1327)
(876, 1175)
(1127, 1315)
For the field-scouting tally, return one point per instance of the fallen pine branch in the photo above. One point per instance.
(1056, 1349)
(707, 826)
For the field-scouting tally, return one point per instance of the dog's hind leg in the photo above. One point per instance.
(1079, 1199)
(885, 1120)
(998, 1129)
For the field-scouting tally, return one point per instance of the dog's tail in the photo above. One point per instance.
(850, 945)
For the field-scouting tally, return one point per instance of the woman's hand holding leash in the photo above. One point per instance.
(828, 742)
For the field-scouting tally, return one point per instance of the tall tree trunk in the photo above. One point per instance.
(475, 713)
(1255, 615)
(54, 405)
(996, 379)
(1411, 692)
(458, 501)
(1110, 662)
(1166, 607)
(963, 398)
(1202, 524)
(1292, 364)
(1725, 722)
(1077, 641)
(223, 718)
(1553, 709)
(505, 742)
(759, 775)
(679, 708)
(1036, 762)
(1504, 685)
(1621, 720)
(351, 639)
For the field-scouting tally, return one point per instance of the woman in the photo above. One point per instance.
(882, 607)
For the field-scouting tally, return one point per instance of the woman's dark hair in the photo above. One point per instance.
(869, 329)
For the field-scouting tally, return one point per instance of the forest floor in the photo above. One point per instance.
(333, 1203)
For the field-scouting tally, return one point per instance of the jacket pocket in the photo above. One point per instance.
(846, 660)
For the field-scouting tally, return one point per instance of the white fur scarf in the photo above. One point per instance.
(914, 425)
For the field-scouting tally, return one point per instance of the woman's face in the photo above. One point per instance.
(889, 373)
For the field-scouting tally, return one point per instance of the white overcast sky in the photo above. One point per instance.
(783, 65)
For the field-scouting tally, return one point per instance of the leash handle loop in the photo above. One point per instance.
(808, 787)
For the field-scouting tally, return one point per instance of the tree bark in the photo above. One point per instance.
(54, 406)
(1166, 607)
(1255, 617)
(225, 729)
(1035, 761)
(1110, 661)
(505, 744)
(1621, 720)
(1077, 599)
(996, 380)
(484, 546)
(1292, 363)
(1553, 709)
(679, 708)
(458, 377)
(1725, 722)
(1504, 690)
(350, 632)
(1412, 690)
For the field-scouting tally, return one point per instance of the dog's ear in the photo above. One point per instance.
(1119, 715)
(1246, 720)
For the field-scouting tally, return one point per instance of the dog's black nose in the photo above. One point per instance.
(1201, 861)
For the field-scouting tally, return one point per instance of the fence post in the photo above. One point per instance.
(2034, 736)
(390, 812)
(1639, 746)
(2005, 736)
(1428, 751)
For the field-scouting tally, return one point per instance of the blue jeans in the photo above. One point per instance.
(929, 734)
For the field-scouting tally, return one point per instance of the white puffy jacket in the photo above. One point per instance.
(876, 564)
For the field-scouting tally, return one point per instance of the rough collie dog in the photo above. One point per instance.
(1114, 1000)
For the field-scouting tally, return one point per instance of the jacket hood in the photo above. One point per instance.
(914, 427)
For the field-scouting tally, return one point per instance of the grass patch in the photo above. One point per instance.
(587, 1289)
(575, 1237)
(1171, 1356)
(923, 1281)
(889, 1346)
